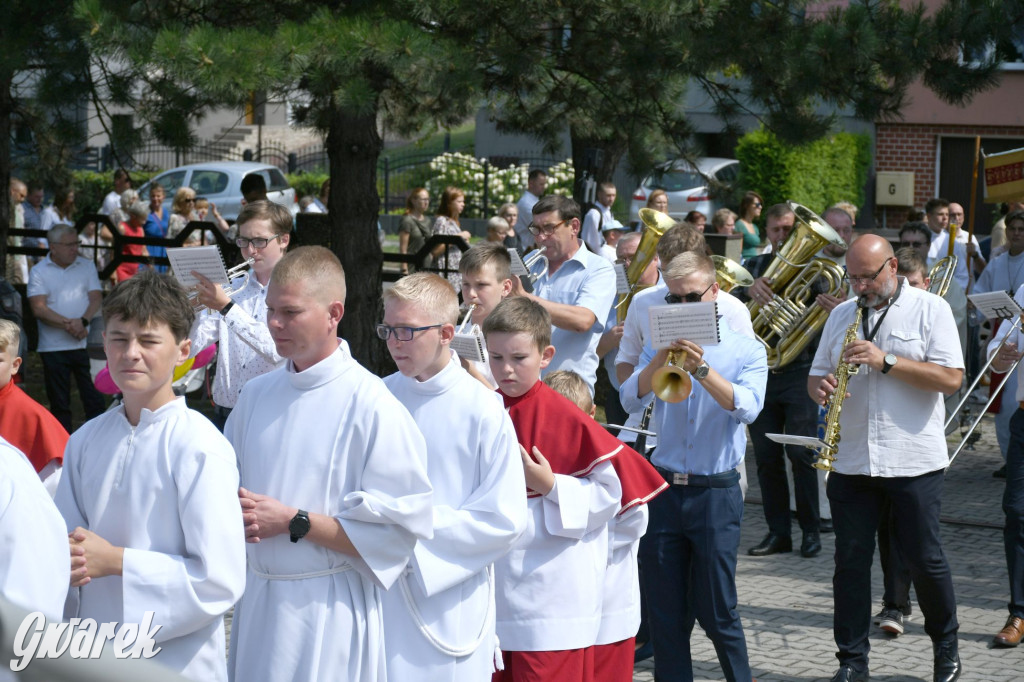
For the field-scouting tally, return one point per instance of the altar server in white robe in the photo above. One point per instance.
(439, 619)
(335, 492)
(149, 492)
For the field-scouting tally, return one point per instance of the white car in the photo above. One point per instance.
(221, 183)
(705, 188)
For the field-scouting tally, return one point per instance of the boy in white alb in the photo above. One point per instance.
(549, 587)
(148, 492)
(486, 281)
(335, 492)
(439, 619)
(620, 605)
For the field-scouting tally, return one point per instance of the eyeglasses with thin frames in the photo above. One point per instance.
(402, 333)
(258, 243)
(692, 297)
(854, 279)
(546, 230)
(914, 245)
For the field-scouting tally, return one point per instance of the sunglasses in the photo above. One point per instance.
(692, 297)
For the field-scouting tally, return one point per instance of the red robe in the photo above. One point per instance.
(574, 444)
(30, 427)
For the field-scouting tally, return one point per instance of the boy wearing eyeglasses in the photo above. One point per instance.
(239, 322)
(439, 620)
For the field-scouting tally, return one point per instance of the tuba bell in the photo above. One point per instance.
(655, 225)
(787, 323)
(729, 274)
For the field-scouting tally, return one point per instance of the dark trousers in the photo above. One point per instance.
(1013, 507)
(220, 417)
(787, 409)
(689, 559)
(614, 413)
(895, 575)
(58, 368)
(857, 503)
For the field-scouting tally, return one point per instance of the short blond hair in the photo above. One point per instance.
(10, 337)
(572, 386)
(430, 292)
(520, 315)
(689, 263)
(317, 268)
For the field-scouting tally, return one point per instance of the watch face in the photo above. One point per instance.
(890, 359)
(299, 525)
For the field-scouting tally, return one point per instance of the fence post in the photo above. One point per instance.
(387, 184)
(293, 161)
(487, 174)
(247, 155)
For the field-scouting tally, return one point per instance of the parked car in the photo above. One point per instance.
(221, 183)
(705, 188)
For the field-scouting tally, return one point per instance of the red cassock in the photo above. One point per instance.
(30, 427)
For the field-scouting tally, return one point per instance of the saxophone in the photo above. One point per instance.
(844, 371)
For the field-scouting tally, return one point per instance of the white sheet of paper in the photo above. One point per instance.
(995, 305)
(518, 266)
(206, 260)
(469, 346)
(697, 322)
(621, 281)
(805, 441)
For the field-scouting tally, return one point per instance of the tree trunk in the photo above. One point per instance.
(353, 147)
(6, 210)
(605, 170)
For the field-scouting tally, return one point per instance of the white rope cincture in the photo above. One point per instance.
(444, 647)
(301, 576)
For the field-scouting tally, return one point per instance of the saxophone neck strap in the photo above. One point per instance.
(878, 323)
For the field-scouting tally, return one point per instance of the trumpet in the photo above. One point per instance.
(533, 258)
(672, 383)
(239, 270)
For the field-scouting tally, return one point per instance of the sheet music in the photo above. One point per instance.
(469, 346)
(518, 266)
(697, 322)
(206, 260)
(804, 441)
(621, 281)
(995, 305)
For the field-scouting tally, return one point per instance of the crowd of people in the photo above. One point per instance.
(466, 518)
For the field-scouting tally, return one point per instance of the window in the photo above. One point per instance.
(207, 182)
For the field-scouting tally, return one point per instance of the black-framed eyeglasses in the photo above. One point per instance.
(692, 297)
(402, 333)
(911, 244)
(854, 279)
(257, 243)
(537, 230)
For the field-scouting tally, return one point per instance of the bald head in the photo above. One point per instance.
(871, 247)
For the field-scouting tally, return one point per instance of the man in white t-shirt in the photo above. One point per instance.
(599, 216)
(112, 202)
(536, 183)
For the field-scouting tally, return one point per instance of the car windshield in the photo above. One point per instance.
(672, 180)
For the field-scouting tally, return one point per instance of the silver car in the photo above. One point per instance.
(705, 188)
(221, 183)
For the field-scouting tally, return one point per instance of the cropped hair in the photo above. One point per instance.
(429, 292)
(137, 208)
(278, 216)
(151, 298)
(630, 238)
(837, 211)
(10, 337)
(317, 269)
(747, 202)
(412, 195)
(54, 234)
(720, 217)
(850, 208)
(572, 386)
(566, 208)
(154, 186)
(776, 211)
(605, 186)
(520, 315)
(919, 227)
(448, 197)
(1013, 215)
(253, 182)
(937, 202)
(680, 238)
(536, 173)
(909, 261)
(122, 174)
(689, 263)
(487, 253)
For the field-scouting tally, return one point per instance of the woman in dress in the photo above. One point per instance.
(414, 228)
(750, 211)
(453, 202)
(510, 212)
(137, 214)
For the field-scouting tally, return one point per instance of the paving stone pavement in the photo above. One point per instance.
(786, 601)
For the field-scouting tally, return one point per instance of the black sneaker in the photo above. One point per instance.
(891, 621)
(1000, 472)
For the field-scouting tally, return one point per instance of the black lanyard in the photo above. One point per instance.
(878, 323)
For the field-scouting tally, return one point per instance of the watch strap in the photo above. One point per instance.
(226, 308)
(85, 321)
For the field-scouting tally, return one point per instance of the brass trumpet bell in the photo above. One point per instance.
(731, 274)
(672, 383)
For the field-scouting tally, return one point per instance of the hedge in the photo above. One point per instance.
(91, 187)
(817, 174)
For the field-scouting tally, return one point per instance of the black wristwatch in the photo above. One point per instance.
(85, 321)
(888, 362)
(299, 526)
(226, 308)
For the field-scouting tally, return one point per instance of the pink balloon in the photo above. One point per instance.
(104, 384)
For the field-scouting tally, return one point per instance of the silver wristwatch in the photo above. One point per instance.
(702, 371)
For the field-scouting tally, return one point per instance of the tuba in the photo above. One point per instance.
(787, 323)
(941, 274)
(730, 274)
(655, 225)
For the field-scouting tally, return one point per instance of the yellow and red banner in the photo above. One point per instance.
(1004, 176)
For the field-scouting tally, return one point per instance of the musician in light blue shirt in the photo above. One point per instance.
(694, 530)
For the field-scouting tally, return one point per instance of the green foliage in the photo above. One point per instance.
(91, 187)
(306, 184)
(816, 174)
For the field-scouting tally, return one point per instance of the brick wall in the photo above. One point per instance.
(913, 147)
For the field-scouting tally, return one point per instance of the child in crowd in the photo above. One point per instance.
(620, 607)
(24, 423)
(439, 619)
(549, 588)
(149, 492)
(486, 280)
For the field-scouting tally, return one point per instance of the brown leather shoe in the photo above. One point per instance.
(1011, 633)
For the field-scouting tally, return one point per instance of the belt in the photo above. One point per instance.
(301, 576)
(726, 479)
